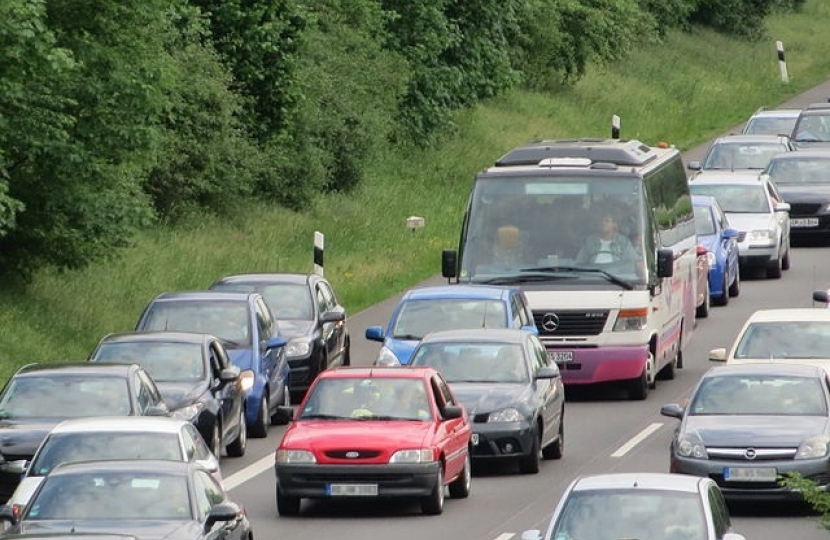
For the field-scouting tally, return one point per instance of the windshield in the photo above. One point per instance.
(285, 300)
(165, 362)
(704, 221)
(785, 339)
(65, 397)
(111, 496)
(800, 171)
(528, 224)
(771, 125)
(759, 395)
(227, 320)
(417, 318)
(631, 513)
(96, 446)
(813, 128)
(736, 198)
(382, 399)
(737, 156)
(475, 362)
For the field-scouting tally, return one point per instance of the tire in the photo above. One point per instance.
(774, 269)
(702, 310)
(240, 444)
(669, 371)
(785, 262)
(556, 449)
(735, 287)
(347, 353)
(531, 463)
(278, 418)
(638, 387)
(461, 486)
(287, 506)
(216, 440)
(723, 299)
(259, 429)
(433, 504)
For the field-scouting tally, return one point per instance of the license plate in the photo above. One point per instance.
(352, 490)
(561, 357)
(804, 222)
(474, 439)
(750, 474)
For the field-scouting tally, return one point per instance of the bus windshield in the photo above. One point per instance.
(578, 228)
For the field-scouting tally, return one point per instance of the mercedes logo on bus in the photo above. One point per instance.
(550, 322)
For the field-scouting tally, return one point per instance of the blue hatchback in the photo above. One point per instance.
(721, 241)
(249, 333)
(448, 307)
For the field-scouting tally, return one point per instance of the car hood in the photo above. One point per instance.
(291, 328)
(751, 222)
(402, 348)
(811, 193)
(22, 437)
(757, 431)
(180, 394)
(241, 358)
(480, 398)
(320, 435)
(145, 529)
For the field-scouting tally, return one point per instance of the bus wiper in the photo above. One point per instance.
(519, 278)
(617, 280)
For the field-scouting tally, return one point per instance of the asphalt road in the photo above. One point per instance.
(604, 433)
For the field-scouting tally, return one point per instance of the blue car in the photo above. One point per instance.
(250, 335)
(721, 241)
(448, 307)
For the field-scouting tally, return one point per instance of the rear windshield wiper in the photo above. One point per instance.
(625, 284)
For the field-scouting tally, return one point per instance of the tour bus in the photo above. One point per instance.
(600, 235)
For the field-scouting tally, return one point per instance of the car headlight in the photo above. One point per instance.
(190, 412)
(387, 358)
(414, 455)
(814, 447)
(629, 320)
(505, 415)
(711, 259)
(691, 446)
(759, 236)
(298, 348)
(296, 457)
(247, 377)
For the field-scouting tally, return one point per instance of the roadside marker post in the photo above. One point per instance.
(782, 62)
(319, 246)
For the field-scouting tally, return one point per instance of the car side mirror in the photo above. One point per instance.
(17, 466)
(229, 374)
(672, 410)
(733, 536)
(693, 166)
(731, 233)
(158, 410)
(781, 207)
(7, 514)
(275, 342)
(285, 412)
(222, 512)
(533, 534)
(547, 372)
(717, 355)
(452, 411)
(374, 333)
(665, 263)
(333, 316)
(210, 465)
(821, 296)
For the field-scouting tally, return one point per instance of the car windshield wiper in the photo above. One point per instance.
(625, 284)
(324, 417)
(408, 336)
(384, 417)
(519, 278)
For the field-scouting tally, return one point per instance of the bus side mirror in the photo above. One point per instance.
(665, 263)
(449, 261)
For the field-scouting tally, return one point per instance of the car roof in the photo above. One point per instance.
(818, 107)
(144, 465)
(639, 480)
(480, 292)
(778, 113)
(492, 335)
(396, 372)
(203, 295)
(741, 176)
(805, 154)
(78, 368)
(161, 336)
(268, 277)
(767, 368)
(128, 424)
(740, 138)
(790, 315)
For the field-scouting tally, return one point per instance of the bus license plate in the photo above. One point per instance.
(352, 490)
(561, 357)
(750, 474)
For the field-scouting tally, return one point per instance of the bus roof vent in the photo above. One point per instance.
(565, 162)
(615, 151)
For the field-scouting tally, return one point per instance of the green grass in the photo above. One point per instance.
(682, 91)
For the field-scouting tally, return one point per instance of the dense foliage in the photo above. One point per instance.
(115, 114)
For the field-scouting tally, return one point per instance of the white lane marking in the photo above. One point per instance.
(254, 469)
(637, 439)
(505, 536)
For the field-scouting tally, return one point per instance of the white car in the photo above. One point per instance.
(798, 335)
(752, 203)
(772, 122)
(110, 437)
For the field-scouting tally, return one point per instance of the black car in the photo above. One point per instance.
(195, 378)
(309, 316)
(803, 180)
(174, 500)
(40, 396)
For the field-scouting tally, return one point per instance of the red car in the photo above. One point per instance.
(375, 432)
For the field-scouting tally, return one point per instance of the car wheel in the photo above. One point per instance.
(638, 387)
(460, 487)
(259, 428)
(735, 287)
(556, 449)
(703, 309)
(240, 444)
(280, 418)
(433, 504)
(287, 506)
(785, 262)
(216, 440)
(723, 299)
(347, 353)
(532, 462)
(669, 371)
(774, 269)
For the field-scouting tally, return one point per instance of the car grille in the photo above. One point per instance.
(350, 454)
(804, 209)
(322, 478)
(571, 322)
(751, 454)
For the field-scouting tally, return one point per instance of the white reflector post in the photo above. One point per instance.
(319, 246)
(782, 62)
(615, 127)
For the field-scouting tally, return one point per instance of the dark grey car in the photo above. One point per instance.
(803, 180)
(748, 425)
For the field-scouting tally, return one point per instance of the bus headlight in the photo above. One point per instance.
(631, 320)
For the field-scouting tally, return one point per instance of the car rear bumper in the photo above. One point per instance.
(314, 481)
